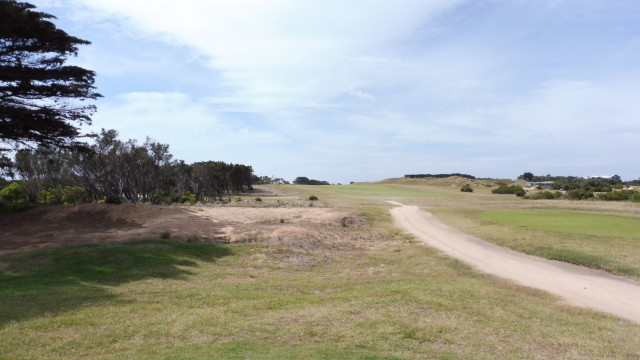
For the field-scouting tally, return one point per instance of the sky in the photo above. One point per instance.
(364, 90)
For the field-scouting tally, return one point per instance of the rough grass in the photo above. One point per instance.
(163, 299)
(190, 301)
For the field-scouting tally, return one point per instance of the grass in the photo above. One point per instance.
(378, 191)
(163, 299)
(208, 301)
(600, 241)
(568, 222)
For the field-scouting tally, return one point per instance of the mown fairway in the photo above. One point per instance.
(163, 299)
(568, 222)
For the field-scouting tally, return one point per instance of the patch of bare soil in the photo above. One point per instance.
(302, 231)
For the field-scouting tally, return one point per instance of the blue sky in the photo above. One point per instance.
(364, 90)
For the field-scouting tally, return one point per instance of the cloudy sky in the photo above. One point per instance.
(363, 90)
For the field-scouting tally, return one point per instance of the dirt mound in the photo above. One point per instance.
(303, 228)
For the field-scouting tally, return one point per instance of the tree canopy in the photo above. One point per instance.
(41, 98)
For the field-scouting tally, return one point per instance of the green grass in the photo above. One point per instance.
(163, 299)
(568, 222)
(380, 191)
(207, 301)
(72, 276)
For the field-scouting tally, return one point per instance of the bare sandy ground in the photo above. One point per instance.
(576, 285)
(301, 229)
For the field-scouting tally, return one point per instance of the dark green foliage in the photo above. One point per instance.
(264, 180)
(513, 189)
(313, 198)
(526, 176)
(40, 97)
(440, 176)
(579, 194)
(466, 188)
(113, 200)
(545, 195)
(303, 180)
(126, 170)
(214, 179)
(620, 195)
(577, 188)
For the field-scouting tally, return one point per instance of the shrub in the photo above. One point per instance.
(188, 196)
(68, 195)
(513, 189)
(113, 200)
(160, 197)
(14, 193)
(620, 195)
(545, 195)
(313, 198)
(579, 194)
(258, 199)
(466, 188)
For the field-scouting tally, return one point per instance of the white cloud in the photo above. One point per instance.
(281, 52)
(346, 87)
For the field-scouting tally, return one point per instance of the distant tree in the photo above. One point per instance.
(301, 180)
(526, 176)
(40, 96)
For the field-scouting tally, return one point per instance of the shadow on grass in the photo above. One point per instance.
(61, 279)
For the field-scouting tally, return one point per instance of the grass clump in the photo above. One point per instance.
(466, 188)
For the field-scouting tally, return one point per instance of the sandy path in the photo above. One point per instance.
(576, 285)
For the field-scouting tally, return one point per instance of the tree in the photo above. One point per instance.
(40, 97)
(528, 176)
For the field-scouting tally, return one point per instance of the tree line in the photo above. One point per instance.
(439, 176)
(579, 188)
(113, 170)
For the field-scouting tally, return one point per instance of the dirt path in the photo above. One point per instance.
(576, 285)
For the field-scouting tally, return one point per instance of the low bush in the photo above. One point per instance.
(579, 194)
(188, 197)
(620, 195)
(313, 198)
(68, 195)
(513, 189)
(113, 200)
(545, 195)
(14, 193)
(466, 188)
